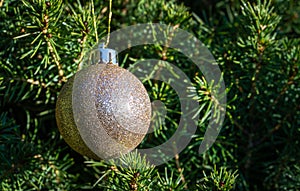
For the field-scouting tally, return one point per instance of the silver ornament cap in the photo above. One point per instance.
(107, 55)
(100, 55)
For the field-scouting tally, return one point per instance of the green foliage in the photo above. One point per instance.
(264, 68)
(133, 172)
(130, 172)
(162, 11)
(290, 11)
(218, 180)
(256, 44)
(26, 166)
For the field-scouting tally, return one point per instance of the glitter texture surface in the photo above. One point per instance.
(111, 108)
(66, 124)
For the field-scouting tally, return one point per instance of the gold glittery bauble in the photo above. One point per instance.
(110, 109)
(66, 124)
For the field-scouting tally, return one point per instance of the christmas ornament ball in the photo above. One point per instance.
(66, 124)
(109, 109)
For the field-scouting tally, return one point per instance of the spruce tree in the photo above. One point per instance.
(256, 45)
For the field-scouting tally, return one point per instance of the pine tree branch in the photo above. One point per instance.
(237, 124)
(62, 78)
(35, 82)
(291, 81)
(168, 43)
(82, 52)
(52, 50)
(180, 170)
(277, 126)
(88, 20)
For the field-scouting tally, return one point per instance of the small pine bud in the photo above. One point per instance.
(137, 174)
(39, 56)
(48, 4)
(133, 186)
(44, 31)
(221, 184)
(46, 20)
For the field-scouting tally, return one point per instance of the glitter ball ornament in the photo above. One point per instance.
(105, 110)
(66, 124)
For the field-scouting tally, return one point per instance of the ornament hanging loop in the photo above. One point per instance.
(109, 21)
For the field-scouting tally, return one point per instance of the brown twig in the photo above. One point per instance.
(290, 82)
(82, 53)
(62, 78)
(276, 128)
(282, 92)
(169, 40)
(240, 127)
(180, 170)
(179, 167)
(35, 82)
(47, 36)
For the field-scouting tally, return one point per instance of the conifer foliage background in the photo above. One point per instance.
(255, 43)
